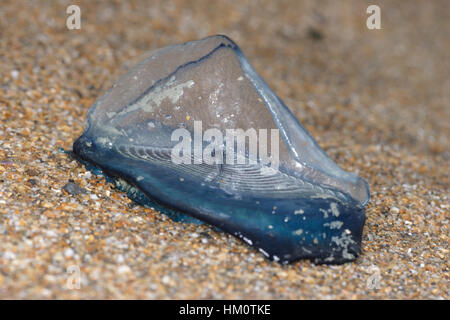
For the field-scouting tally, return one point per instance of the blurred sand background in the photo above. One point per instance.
(376, 100)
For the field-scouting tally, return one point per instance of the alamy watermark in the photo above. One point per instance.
(374, 280)
(74, 280)
(73, 21)
(374, 20)
(236, 147)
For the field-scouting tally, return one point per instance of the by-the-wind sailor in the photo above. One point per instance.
(194, 129)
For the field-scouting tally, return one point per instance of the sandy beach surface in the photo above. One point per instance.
(377, 101)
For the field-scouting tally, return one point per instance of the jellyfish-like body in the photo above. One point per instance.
(164, 130)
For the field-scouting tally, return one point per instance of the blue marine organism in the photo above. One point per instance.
(290, 203)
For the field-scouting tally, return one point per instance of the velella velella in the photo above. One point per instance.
(195, 130)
